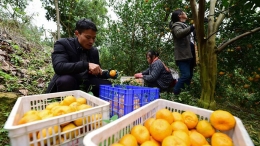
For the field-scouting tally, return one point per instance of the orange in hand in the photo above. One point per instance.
(112, 73)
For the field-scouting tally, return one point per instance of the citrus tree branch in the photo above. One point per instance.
(194, 10)
(223, 45)
(219, 20)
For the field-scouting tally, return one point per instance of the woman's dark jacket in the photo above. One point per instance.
(158, 73)
(68, 58)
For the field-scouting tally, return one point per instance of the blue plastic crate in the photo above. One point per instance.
(126, 98)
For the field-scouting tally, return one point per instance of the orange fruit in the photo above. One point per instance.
(140, 133)
(96, 120)
(221, 73)
(112, 73)
(246, 86)
(61, 110)
(178, 125)
(51, 105)
(74, 105)
(79, 121)
(160, 129)
(250, 78)
(128, 140)
(29, 118)
(222, 120)
(83, 107)
(68, 100)
(148, 123)
(47, 116)
(54, 108)
(197, 139)
(173, 141)
(205, 128)
(221, 139)
(30, 112)
(71, 134)
(182, 135)
(177, 116)
(152, 139)
(190, 119)
(164, 114)
(117, 144)
(44, 113)
(149, 143)
(81, 100)
(38, 144)
(51, 131)
(59, 140)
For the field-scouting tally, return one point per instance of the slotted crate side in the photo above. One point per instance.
(112, 132)
(126, 98)
(19, 134)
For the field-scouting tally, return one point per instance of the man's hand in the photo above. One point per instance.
(94, 69)
(138, 75)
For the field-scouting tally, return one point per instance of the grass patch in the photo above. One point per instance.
(6, 106)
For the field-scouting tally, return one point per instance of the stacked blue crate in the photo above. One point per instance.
(126, 98)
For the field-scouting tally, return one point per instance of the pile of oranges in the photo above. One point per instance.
(181, 129)
(68, 105)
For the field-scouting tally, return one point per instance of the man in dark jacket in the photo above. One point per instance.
(76, 62)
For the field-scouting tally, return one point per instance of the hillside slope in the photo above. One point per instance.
(25, 61)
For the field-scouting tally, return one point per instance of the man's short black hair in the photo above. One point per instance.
(85, 24)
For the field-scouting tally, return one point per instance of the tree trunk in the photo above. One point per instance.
(208, 76)
(58, 18)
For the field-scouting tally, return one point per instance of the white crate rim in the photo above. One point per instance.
(15, 131)
(9, 126)
(93, 138)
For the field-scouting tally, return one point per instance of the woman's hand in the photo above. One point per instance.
(138, 75)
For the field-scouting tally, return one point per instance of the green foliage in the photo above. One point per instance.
(113, 118)
(185, 97)
(9, 81)
(30, 60)
(240, 60)
(15, 10)
(5, 76)
(142, 26)
(73, 10)
(6, 105)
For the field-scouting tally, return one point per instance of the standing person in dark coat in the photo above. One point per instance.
(76, 62)
(184, 50)
(158, 74)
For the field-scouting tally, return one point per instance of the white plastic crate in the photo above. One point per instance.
(112, 132)
(19, 134)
